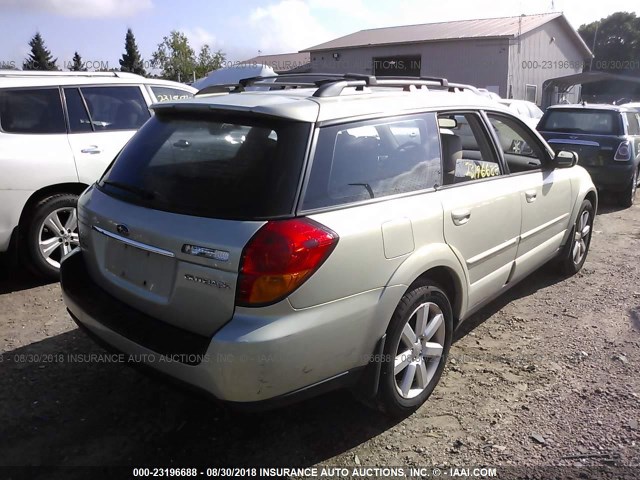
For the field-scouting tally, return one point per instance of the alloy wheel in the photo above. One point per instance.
(581, 238)
(58, 235)
(420, 350)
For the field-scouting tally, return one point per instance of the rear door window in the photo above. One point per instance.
(212, 166)
(32, 111)
(116, 108)
(467, 154)
(373, 159)
(168, 94)
(79, 121)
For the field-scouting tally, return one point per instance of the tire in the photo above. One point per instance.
(404, 388)
(628, 197)
(575, 251)
(52, 232)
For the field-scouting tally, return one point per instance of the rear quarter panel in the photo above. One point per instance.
(382, 246)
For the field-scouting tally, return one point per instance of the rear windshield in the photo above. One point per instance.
(212, 166)
(600, 122)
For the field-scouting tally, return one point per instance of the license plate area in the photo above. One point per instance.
(140, 268)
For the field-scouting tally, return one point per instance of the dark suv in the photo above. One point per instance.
(606, 139)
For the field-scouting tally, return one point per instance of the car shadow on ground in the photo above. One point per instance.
(608, 203)
(544, 277)
(61, 406)
(14, 277)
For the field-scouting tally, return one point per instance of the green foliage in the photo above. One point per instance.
(614, 41)
(40, 57)
(208, 61)
(175, 57)
(178, 61)
(77, 64)
(131, 60)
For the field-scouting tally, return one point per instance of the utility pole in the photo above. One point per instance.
(593, 46)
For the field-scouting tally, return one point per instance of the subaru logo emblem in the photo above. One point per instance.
(122, 230)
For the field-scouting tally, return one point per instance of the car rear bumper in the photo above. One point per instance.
(611, 177)
(252, 361)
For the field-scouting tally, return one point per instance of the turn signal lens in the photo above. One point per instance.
(280, 257)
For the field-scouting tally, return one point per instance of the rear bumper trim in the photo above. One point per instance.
(82, 295)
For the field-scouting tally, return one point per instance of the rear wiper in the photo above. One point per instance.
(130, 188)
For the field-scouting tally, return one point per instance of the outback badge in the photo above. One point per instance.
(206, 281)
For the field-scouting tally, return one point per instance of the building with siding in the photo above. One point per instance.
(511, 56)
(282, 63)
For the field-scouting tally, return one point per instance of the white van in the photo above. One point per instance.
(58, 133)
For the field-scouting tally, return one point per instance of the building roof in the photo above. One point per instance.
(510, 27)
(283, 62)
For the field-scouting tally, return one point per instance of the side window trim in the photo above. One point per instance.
(86, 109)
(66, 109)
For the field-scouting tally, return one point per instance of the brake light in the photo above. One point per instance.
(280, 257)
(624, 152)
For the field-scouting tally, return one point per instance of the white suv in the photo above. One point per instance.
(58, 133)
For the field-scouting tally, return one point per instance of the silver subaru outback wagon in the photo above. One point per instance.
(264, 246)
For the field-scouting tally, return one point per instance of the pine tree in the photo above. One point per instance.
(77, 64)
(131, 60)
(40, 57)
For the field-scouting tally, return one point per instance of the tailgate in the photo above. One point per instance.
(595, 151)
(138, 255)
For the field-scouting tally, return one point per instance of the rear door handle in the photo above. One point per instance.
(460, 217)
(92, 150)
(531, 196)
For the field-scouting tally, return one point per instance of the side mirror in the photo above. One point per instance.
(565, 159)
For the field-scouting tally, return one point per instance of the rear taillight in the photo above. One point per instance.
(280, 257)
(624, 152)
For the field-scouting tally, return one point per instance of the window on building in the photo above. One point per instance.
(531, 93)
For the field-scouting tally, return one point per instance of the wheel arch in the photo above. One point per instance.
(592, 196)
(438, 263)
(60, 188)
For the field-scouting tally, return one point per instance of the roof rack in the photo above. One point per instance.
(332, 85)
(41, 73)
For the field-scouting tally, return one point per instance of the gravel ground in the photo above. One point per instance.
(544, 376)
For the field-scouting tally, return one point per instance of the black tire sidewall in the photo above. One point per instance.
(569, 266)
(627, 197)
(40, 211)
(389, 399)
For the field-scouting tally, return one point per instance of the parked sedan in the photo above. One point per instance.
(607, 140)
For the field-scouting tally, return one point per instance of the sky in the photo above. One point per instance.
(242, 29)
